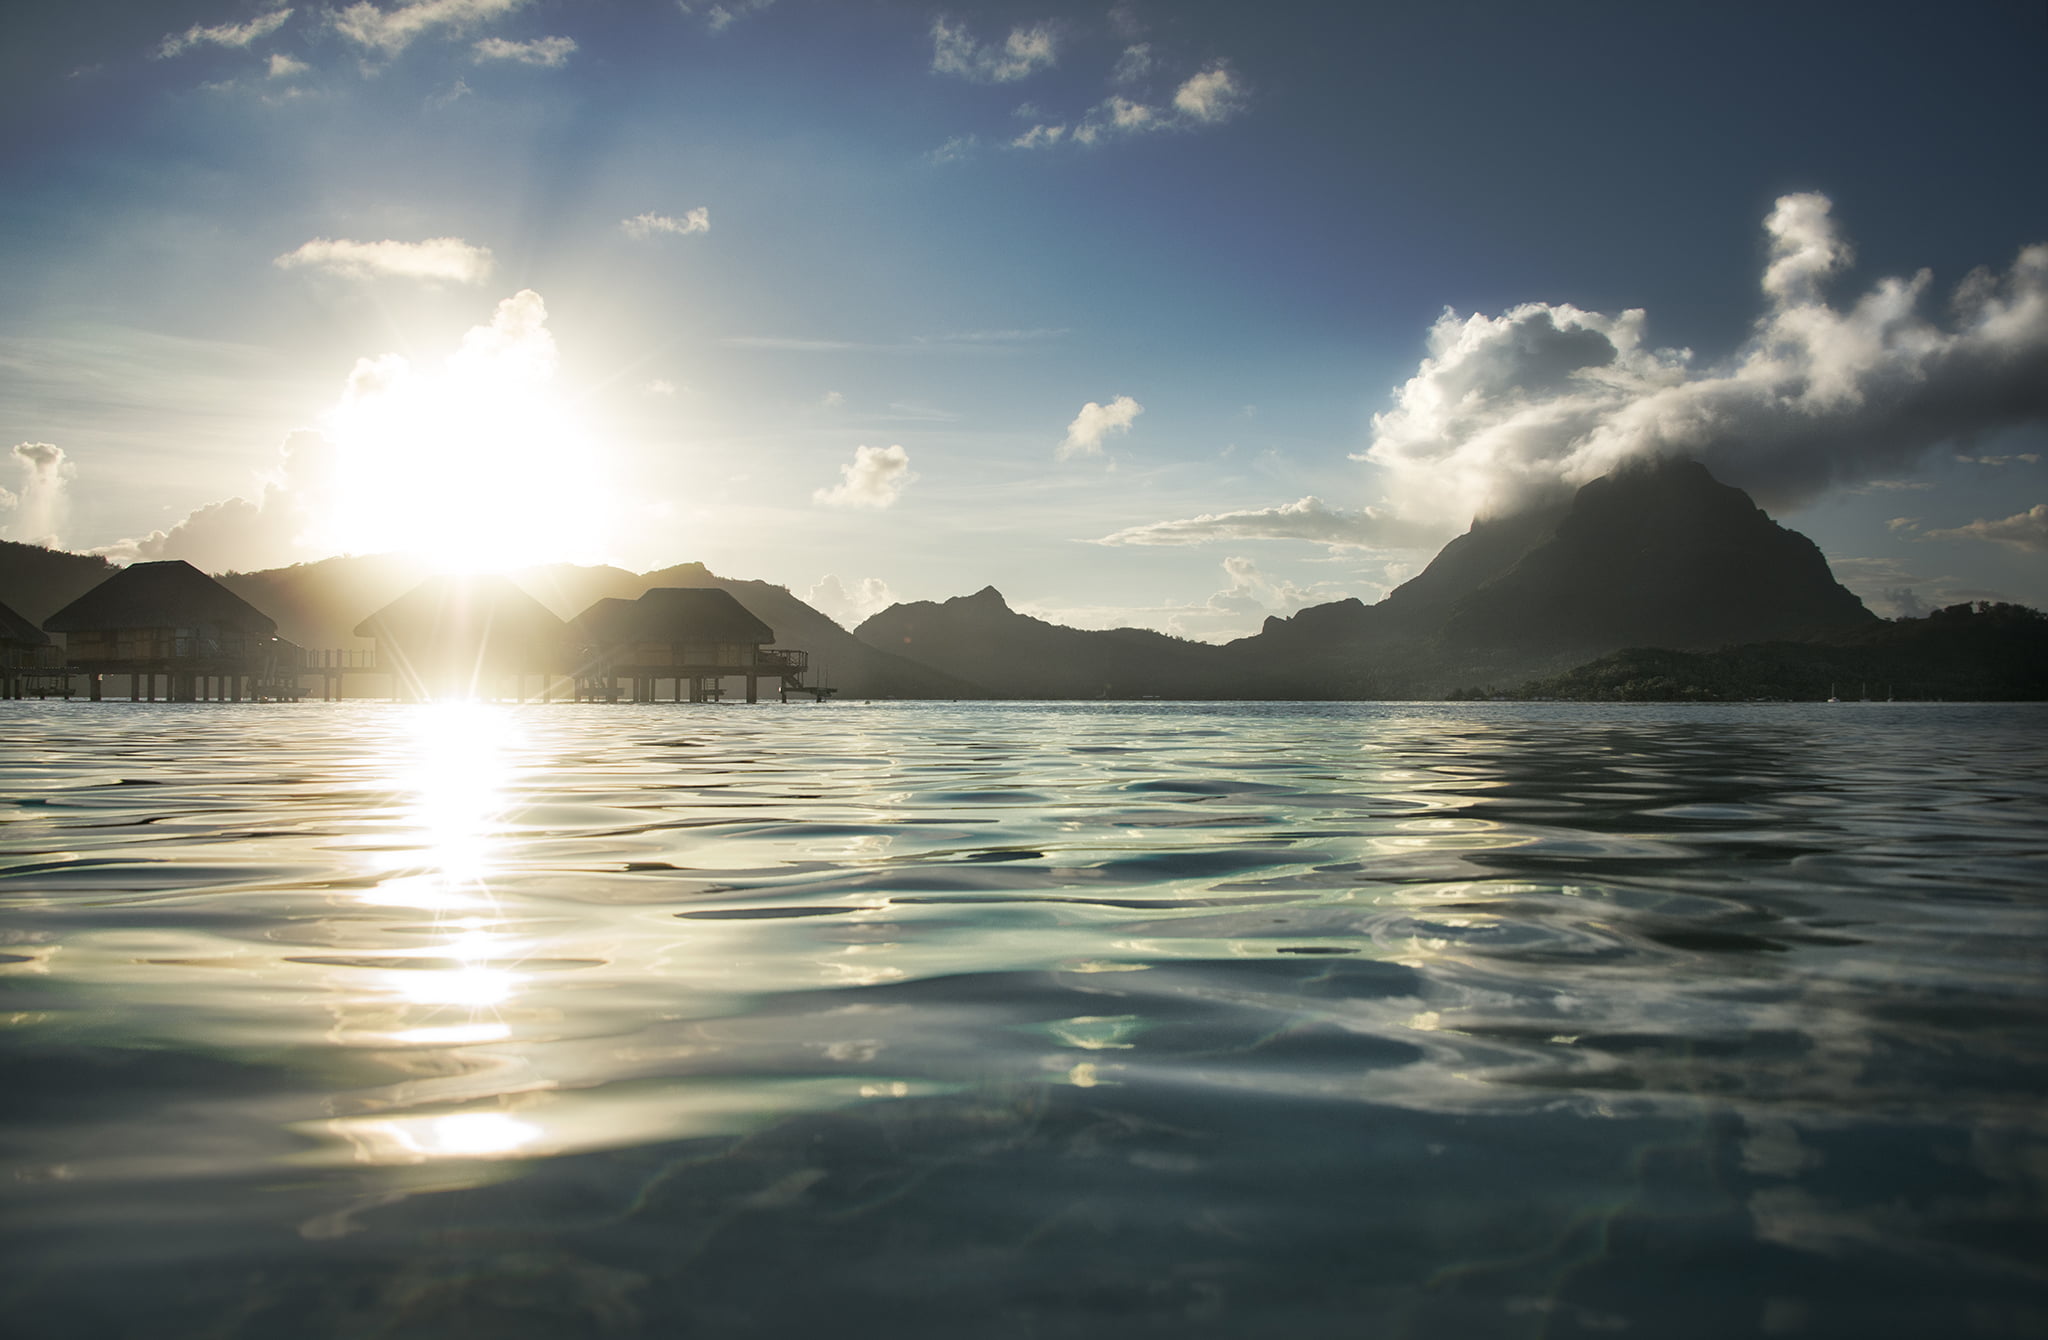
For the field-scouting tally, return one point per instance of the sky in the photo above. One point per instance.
(1173, 314)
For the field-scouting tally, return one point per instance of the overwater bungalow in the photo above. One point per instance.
(468, 637)
(29, 661)
(170, 624)
(691, 638)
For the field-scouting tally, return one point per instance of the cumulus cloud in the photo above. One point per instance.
(1310, 519)
(447, 259)
(244, 534)
(1025, 51)
(1209, 97)
(1544, 396)
(643, 226)
(2024, 530)
(40, 506)
(284, 67)
(547, 52)
(875, 477)
(850, 605)
(391, 31)
(478, 463)
(223, 34)
(1095, 422)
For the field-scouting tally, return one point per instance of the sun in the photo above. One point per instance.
(482, 465)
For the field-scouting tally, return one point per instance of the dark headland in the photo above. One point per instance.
(1654, 583)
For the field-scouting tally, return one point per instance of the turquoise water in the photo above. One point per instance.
(1023, 1020)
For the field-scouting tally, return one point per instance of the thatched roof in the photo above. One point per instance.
(445, 610)
(611, 619)
(171, 594)
(675, 615)
(16, 631)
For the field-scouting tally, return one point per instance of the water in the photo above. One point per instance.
(360, 1020)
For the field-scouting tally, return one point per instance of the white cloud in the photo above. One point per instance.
(392, 31)
(661, 386)
(875, 477)
(547, 52)
(1547, 396)
(1208, 98)
(719, 17)
(1025, 51)
(1095, 422)
(40, 506)
(849, 606)
(832, 400)
(284, 67)
(643, 226)
(2026, 530)
(438, 258)
(238, 534)
(223, 34)
(1212, 96)
(479, 463)
(1310, 519)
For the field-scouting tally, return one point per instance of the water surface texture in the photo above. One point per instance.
(1023, 1020)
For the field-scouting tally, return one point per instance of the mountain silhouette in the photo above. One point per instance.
(1659, 554)
(979, 638)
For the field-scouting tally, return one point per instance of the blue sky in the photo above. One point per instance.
(889, 300)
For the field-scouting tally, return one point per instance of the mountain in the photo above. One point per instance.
(981, 639)
(1659, 554)
(37, 582)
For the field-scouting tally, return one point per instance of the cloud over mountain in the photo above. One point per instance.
(1546, 395)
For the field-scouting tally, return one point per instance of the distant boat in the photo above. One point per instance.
(1831, 694)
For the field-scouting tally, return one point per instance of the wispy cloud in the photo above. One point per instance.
(661, 386)
(223, 34)
(1026, 50)
(284, 67)
(875, 477)
(643, 226)
(958, 149)
(719, 17)
(448, 259)
(1310, 519)
(2026, 530)
(1095, 422)
(1546, 395)
(391, 31)
(546, 52)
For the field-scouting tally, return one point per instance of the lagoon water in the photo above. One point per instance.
(1022, 1020)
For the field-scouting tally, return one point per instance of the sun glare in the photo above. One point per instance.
(480, 466)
